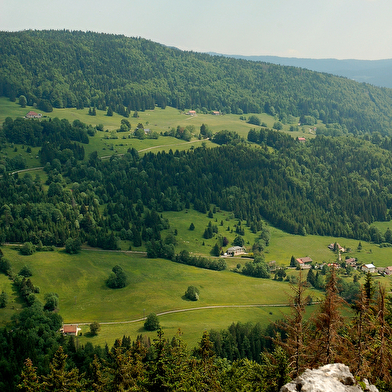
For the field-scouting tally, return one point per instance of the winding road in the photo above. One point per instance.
(189, 310)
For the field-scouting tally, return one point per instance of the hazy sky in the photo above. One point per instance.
(342, 29)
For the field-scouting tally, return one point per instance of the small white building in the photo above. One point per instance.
(369, 268)
(235, 250)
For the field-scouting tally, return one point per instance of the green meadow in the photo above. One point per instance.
(154, 286)
(110, 142)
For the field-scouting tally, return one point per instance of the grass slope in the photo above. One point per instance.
(159, 120)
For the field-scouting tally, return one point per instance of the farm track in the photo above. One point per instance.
(189, 310)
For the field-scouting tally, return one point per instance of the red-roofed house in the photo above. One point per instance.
(70, 329)
(191, 113)
(32, 114)
(302, 139)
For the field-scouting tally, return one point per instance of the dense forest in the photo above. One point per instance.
(85, 69)
(329, 186)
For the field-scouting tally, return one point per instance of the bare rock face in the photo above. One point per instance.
(329, 378)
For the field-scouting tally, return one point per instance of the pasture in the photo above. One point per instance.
(110, 142)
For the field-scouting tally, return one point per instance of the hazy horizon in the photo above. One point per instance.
(337, 29)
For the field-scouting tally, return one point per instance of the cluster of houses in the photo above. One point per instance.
(305, 262)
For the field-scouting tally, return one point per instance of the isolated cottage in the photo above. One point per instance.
(340, 248)
(301, 139)
(32, 114)
(70, 329)
(235, 250)
(191, 113)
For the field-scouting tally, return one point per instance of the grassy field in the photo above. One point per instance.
(110, 142)
(191, 324)
(154, 286)
(157, 285)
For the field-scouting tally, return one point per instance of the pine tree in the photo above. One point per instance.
(29, 380)
(380, 355)
(311, 277)
(296, 328)
(59, 379)
(326, 342)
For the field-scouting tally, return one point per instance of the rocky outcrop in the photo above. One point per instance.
(329, 378)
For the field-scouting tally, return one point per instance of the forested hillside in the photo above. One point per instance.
(77, 69)
(328, 186)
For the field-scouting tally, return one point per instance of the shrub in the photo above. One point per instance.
(254, 120)
(94, 328)
(25, 271)
(152, 322)
(27, 249)
(192, 293)
(73, 245)
(117, 279)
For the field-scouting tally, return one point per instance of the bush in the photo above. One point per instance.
(27, 249)
(52, 302)
(94, 328)
(117, 278)
(25, 271)
(152, 322)
(73, 245)
(192, 293)
(254, 120)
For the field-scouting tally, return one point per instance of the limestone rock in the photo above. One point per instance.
(329, 378)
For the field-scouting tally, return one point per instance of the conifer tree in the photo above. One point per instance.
(60, 379)
(325, 343)
(29, 380)
(380, 355)
(296, 328)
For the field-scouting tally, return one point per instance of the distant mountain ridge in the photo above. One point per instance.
(64, 69)
(375, 72)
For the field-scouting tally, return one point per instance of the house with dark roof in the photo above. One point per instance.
(304, 260)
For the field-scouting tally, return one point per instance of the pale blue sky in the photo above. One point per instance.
(342, 29)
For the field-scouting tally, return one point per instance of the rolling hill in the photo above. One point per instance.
(77, 69)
